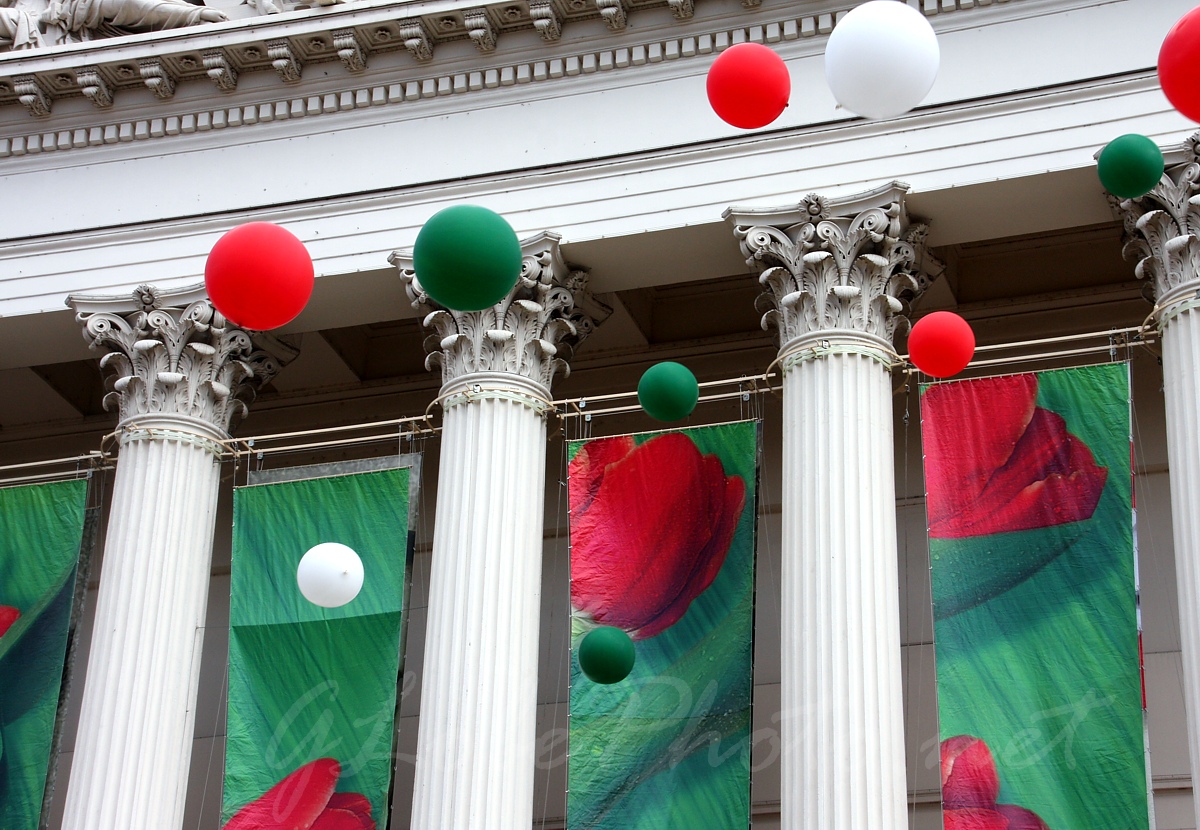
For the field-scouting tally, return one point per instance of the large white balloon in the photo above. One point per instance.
(330, 575)
(881, 59)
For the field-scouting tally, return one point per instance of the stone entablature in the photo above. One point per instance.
(352, 34)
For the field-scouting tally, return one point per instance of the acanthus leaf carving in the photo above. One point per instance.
(827, 265)
(1162, 228)
(531, 333)
(174, 354)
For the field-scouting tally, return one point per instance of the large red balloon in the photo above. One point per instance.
(1179, 65)
(259, 276)
(941, 344)
(748, 85)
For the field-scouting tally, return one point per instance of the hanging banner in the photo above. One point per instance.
(1035, 600)
(312, 689)
(662, 534)
(41, 533)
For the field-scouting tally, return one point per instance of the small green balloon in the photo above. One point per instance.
(467, 258)
(1130, 166)
(606, 655)
(668, 391)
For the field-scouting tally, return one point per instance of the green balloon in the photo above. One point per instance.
(1130, 166)
(606, 655)
(467, 258)
(668, 391)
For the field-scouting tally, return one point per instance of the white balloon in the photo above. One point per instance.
(330, 574)
(881, 59)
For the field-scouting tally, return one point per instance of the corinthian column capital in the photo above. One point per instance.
(1161, 228)
(833, 266)
(530, 334)
(170, 353)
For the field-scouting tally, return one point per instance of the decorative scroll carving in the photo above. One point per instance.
(285, 61)
(480, 30)
(416, 39)
(30, 93)
(222, 71)
(682, 9)
(93, 86)
(826, 265)
(156, 77)
(613, 12)
(1162, 229)
(350, 49)
(545, 20)
(531, 333)
(172, 353)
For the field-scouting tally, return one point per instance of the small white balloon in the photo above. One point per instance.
(881, 59)
(330, 574)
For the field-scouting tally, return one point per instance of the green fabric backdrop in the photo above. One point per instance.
(1045, 669)
(668, 748)
(41, 527)
(307, 682)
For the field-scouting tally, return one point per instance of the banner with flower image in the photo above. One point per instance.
(662, 535)
(1030, 508)
(41, 536)
(312, 689)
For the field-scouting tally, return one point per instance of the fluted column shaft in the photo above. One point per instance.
(134, 745)
(1181, 387)
(475, 748)
(843, 738)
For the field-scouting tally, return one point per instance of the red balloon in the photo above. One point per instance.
(259, 276)
(1179, 65)
(748, 85)
(941, 344)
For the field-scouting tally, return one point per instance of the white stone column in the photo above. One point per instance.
(833, 271)
(475, 747)
(180, 374)
(1160, 236)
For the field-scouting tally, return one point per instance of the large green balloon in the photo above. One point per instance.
(1130, 166)
(668, 391)
(606, 654)
(467, 257)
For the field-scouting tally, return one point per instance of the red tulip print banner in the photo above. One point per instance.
(662, 546)
(312, 689)
(41, 531)
(1030, 508)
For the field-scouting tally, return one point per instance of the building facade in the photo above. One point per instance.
(133, 134)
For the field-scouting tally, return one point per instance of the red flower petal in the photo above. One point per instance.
(969, 777)
(654, 533)
(294, 803)
(972, 818)
(8, 616)
(354, 802)
(588, 466)
(1021, 819)
(972, 429)
(334, 819)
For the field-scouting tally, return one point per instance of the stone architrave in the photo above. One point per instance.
(180, 374)
(475, 747)
(1161, 237)
(836, 272)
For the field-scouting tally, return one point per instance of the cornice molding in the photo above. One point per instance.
(223, 54)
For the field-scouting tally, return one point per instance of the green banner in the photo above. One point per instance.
(1035, 601)
(41, 528)
(662, 547)
(312, 689)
